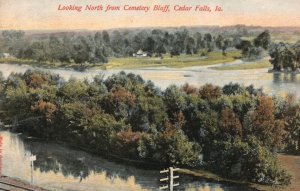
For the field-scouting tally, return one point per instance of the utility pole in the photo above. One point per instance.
(32, 158)
(170, 178)
(1, 155)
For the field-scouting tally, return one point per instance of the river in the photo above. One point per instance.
(274, 84)
(63, 168)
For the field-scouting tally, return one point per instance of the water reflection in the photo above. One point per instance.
(279, 78)
(62, 168)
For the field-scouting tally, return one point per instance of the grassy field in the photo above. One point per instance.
(132, 62)
(287, 38)
(173, 62)
(245, 66)
(30, 62)
(50, 65)
(18, 61)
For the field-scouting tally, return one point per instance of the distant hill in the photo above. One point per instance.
(225, 30)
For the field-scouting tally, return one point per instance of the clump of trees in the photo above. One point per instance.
(233, 130)
(254, 50)
(285, 56)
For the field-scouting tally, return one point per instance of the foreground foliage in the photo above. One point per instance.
(234, 131)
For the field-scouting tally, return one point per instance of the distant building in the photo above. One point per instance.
(5, 55)
(140, 53)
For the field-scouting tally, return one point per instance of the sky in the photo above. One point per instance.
(44, 14)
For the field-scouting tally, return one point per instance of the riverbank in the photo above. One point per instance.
(52, 65)
(215, 61)
(61, 168)
(7, 183)
(245, 66)
(283, 71)
(108, 156)
(289, 162)
(292, 163)
(196, 174)
(180, 61)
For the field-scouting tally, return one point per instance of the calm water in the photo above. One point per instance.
(62, 168)
(276, 84)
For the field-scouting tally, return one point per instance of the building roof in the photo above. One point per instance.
(140, 51)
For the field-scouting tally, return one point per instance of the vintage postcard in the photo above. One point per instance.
(132, 95)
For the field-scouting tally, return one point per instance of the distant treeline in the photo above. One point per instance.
(233, 130)
(98, 47)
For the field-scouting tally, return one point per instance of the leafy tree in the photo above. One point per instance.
(179, 151)
(297, 52)
(190, 45)
(264, 125)
(149, 45)
(74, 90)
(102, 132)
(231, 89)
(81, 51)
(282, 57)
(229, 123)
(249, 161)
(263, 40)
(37, 51)
(245, 46)
(174, 99)
(119, 103)
(209, 91)
(56, 49)
(106, 38)
(219, 41)
(117, 42)
(198, 40)
(13, 41)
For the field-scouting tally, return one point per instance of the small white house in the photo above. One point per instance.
(140, 53)
(5, 55)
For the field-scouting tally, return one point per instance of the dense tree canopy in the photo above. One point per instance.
(236, 129)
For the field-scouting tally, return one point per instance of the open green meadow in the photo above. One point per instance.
(180, 61)
(173, 62)
(245, 66)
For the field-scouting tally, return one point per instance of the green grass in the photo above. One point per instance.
(132, 62)
(173, 62)
(245, 66)
(29, 62)
(17, 61)
(287, 38)
(50, 65)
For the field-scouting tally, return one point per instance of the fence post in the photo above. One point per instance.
(170, 178)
